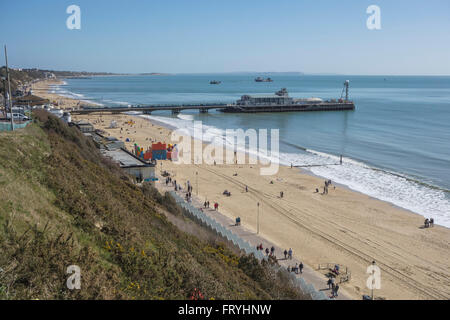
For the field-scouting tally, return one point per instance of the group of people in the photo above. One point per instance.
(325, 187)
(336, 269)
(288, 254)
(298, 268)
(189, 187)
(175, 185)
(188, 192)
(327, 184)
(429, 222)
(269, 252)
(333, 286)
(206, 204)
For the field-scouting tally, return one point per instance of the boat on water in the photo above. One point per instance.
(260, 79)
(215, 82)
(282, 102)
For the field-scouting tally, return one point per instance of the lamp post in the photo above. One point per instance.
(257, 221)
(196, 182)
(373, 276)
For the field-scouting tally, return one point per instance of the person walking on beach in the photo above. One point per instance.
(285, 254)
(267, 251)
(246, 189)
(281, 194)
(216, 206)
(272, 250)
(290, 253)
(336, 289)
(431, 222)
(300, 266)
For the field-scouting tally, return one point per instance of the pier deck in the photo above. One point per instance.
(229, 108)
(149, 109)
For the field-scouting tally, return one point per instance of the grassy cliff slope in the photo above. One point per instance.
(62, 203)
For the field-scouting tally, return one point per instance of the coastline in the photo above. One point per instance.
(42, 89)
(345, 227)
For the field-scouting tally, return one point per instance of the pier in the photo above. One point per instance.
(229, 108)
(175, 109)
(279, 102)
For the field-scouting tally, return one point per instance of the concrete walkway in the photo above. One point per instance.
(311, 276)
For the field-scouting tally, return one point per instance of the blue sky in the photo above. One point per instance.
(187, 36)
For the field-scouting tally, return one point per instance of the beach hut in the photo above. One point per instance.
(159, 154)
(159, 146)
(174, 154)
(148, 155)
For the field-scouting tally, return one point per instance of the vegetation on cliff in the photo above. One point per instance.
(63, 204)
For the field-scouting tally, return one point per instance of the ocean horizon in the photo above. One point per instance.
(396, 144)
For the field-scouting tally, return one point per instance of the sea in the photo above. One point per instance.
(395, 144)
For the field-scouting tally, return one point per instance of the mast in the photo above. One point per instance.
(9, 91)
(346, 84)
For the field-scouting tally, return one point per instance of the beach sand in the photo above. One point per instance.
(41, 89)
(344, 226)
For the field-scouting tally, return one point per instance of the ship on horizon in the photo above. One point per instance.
(261, 79)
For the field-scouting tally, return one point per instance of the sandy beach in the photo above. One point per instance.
(343, 226)
(41, 89)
